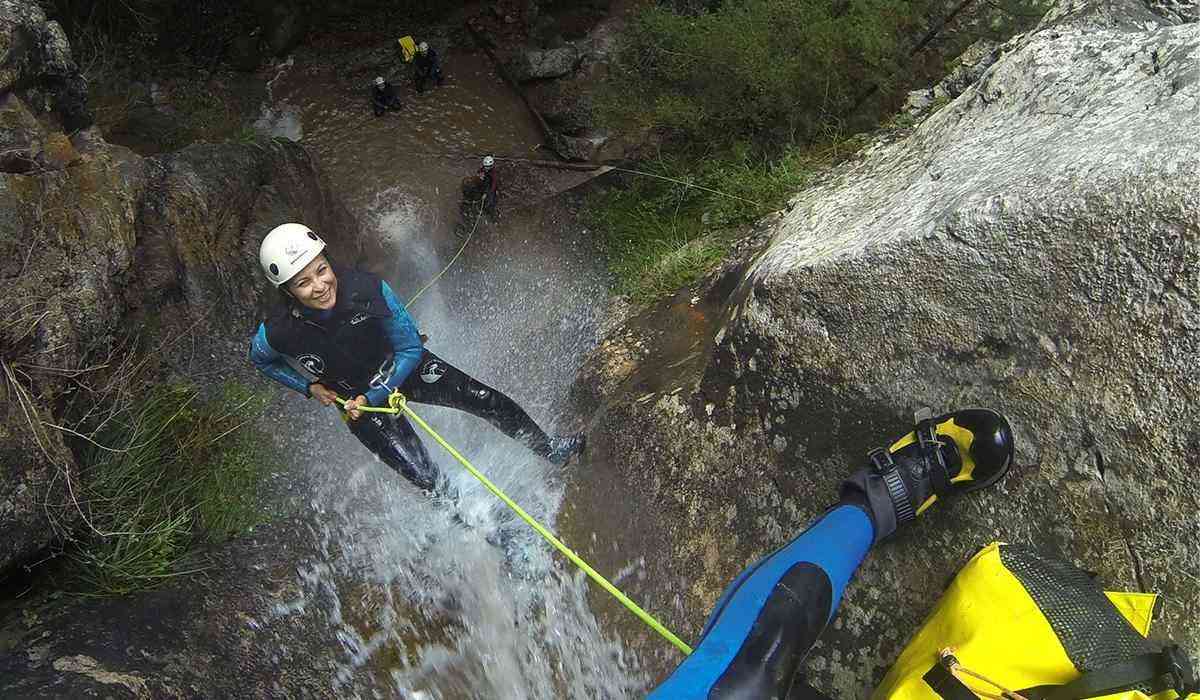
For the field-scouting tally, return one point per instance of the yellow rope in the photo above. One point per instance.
(447, 267)
(398, 404)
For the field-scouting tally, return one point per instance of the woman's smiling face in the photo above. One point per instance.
(315, 286)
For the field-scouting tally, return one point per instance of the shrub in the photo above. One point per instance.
(162, 478)
(766, 70)
(667, 229)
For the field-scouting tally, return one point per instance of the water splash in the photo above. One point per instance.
(279, 119)
(282, 120)
(438, 600)
(405, 224)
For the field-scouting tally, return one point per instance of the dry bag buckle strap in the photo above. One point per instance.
(943, 683)
(1169, 664)
(1181, 671)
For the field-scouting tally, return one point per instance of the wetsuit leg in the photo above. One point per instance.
(392, 439)
(437, 382)
(770, 616)
(490, 204)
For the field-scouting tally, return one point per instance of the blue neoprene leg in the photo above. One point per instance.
(772, 613)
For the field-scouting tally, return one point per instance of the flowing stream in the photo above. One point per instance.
(435, 599)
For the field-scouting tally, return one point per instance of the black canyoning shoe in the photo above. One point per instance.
(947, 455)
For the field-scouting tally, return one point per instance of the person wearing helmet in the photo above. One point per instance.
(487, 187)
(343, 333)
(384, 96)
(427, 65)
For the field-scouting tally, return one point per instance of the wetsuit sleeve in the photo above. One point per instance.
(271, 363)
(406, 346)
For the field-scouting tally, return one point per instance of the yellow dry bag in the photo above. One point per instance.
(1015, 623)
(406, 48)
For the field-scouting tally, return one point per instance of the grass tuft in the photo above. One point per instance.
(660, 235)
(171, 474)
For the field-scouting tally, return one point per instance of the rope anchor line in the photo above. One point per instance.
(397, 403)
(412, 300)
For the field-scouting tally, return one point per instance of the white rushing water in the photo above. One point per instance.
(437, 608)
(277, 117)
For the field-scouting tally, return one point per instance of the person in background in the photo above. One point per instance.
(488, 188)
(427, 66)
(384, 97)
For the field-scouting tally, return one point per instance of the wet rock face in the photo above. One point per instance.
(21, 136)
(1034, 246)
(551, 63)
(1181, 11)
(567, 105)
(38, 65)
(234, 632)
(284, 23)
(112, 236)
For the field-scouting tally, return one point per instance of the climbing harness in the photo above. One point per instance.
(397, 403)
(438, 276)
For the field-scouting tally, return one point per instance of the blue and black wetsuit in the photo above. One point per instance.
(368, 344)
(384, 98)
(769, 617)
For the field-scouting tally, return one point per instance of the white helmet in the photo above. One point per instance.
(286, 250)
(379, 80)
(423, 47)
(488, 161)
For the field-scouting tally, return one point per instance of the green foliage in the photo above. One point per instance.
(175, 472)
(750, 80)
(1010, 17)
(246, 135)
(659, 235)
(768, 70)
